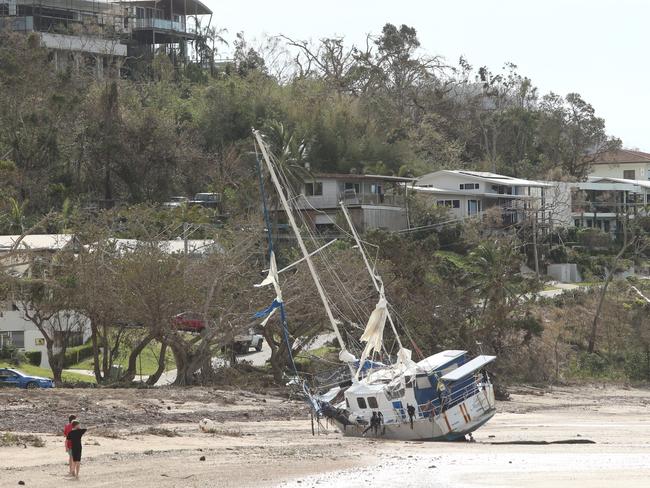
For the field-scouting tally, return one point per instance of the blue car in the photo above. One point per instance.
(13, 377)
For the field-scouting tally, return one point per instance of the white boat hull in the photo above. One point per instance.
(452, 424)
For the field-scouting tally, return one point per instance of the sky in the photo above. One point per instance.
(598, 48)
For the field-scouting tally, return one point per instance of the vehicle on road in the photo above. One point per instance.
(175, 202)
(189, 322)
(193, 322)
(208, 200)
(243, 342)
(16, 378)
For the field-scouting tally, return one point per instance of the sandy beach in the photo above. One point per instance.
(150, 438)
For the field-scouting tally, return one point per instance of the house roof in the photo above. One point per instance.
(622, 156)
(495, 178)
(177, 246)
(642, 183)
(467, 193)
(354, 176)
(36, 242)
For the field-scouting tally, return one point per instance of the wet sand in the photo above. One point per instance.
(281, 452)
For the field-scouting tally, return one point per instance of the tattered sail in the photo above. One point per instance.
(373, 335)
(271, 279)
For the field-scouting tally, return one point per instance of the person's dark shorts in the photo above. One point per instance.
(76, 455)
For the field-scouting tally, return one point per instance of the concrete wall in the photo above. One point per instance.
(86, 44)
(379, 217)
(564, 272)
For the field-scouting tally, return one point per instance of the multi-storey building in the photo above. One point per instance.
(103, 35)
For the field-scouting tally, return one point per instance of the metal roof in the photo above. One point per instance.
(176, 246)
(355, 176)
(36, 242)
(489, 177)
(622, 156)
(469, 193)
(600, 179)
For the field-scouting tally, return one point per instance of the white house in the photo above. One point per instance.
(469, 193)
(600, 202)
(17, 329)
(623, 164)
(374, 201)
(18, 257)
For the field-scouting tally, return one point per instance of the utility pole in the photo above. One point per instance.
(186, 230)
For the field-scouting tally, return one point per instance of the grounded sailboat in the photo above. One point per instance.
(442, 397)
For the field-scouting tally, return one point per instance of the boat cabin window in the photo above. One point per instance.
(362, 402)
(372, 402)
(347, 403)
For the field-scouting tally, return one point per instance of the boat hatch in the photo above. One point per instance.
(468, 368)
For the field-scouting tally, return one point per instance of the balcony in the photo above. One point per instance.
(350, 199)
(17, 24)
(162, 24)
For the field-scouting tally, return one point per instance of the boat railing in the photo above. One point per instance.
(435, 406)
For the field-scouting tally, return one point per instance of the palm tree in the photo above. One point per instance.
(17, 215)
(205, 43)
(495, 277)
(290, 151)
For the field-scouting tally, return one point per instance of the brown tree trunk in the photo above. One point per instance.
(153, 379)
(94, 332)
(610, 275)
(129, 374)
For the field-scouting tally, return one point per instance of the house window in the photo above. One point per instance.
(361, 402)
(469, 186)
(17, 338)
(473, 207)
(356, 187)
(372, 402)
(502, 190)
(448, 203)
(629, 174)
(314, 189)
(577, 222)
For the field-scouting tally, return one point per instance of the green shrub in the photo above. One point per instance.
(34, 357)
(74, 355)
(593, 238)
(637, 366)
(11, 353)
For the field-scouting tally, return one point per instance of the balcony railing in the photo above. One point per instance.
(332, 200)
(17, 24)
(163, 24)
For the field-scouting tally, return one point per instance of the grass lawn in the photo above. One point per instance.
(148, 360)
(47, 373)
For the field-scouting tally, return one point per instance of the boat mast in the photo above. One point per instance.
(375, 278)
(303, 248)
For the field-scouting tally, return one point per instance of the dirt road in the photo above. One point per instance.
(150, 438)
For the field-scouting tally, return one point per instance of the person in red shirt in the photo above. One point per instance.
(68, 443)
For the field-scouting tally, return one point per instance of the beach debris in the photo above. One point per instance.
(9, 439)
(160, 431)
(202, 458)
(207, 426)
